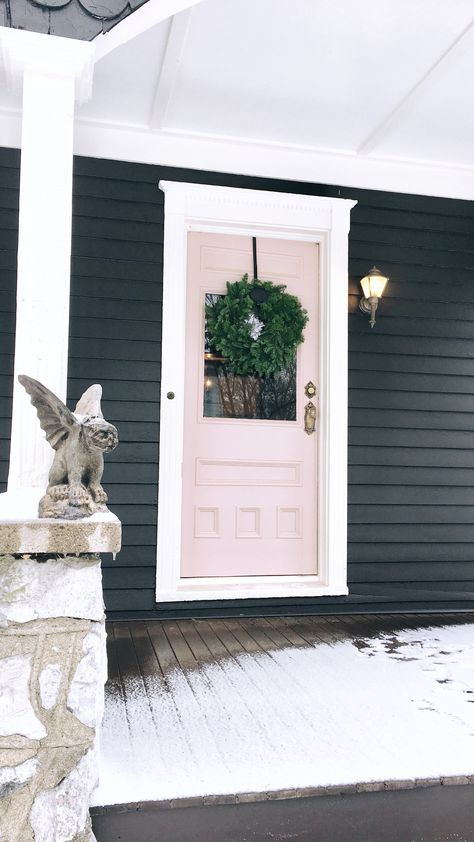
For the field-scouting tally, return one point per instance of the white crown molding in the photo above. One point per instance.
(47, 55)
(267, 207)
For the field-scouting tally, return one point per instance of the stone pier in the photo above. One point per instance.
(52, 673)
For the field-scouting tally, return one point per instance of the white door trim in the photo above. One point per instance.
(227, 210)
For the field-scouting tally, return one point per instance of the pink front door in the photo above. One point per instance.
(249, 468)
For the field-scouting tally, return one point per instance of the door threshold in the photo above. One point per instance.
(249, 587)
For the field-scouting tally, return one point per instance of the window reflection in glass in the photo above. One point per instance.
(228, 395)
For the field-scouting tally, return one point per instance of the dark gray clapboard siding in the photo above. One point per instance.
(115, 339)
(9, 196)
(411, 397)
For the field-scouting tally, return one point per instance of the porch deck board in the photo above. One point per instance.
(191, 705)
(154, 647)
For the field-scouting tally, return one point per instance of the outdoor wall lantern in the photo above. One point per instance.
(373, 285)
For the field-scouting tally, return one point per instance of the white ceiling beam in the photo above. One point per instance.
(265, 160)
(460, 44)
(144, 18)
(168, 75)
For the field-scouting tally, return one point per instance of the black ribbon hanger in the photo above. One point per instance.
(257, 293)
(254, 248)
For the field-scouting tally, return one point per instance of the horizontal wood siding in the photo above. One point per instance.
(115, 340)
(9, 195)
(411, 378)
(411, 463)
(411, 466)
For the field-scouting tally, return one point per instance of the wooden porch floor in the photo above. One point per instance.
(151, 648)
(192, 706)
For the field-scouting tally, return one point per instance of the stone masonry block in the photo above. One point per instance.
(52, 673)
(61, 814)
(100, 533)
(17, 715)
(64, 587)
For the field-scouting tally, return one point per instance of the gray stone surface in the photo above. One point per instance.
(85, 698)
(47, 752)
(79, 439)
(61, 814)
(100, 533)
(52, 673)
(17, 715)
(52, 669)
(14, 777)
(62, 587)
(50, 682)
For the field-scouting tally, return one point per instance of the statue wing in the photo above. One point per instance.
(89, 404)
(55, 418)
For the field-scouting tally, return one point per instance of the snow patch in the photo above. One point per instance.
(390, 708)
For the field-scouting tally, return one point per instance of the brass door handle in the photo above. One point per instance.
(309, 418)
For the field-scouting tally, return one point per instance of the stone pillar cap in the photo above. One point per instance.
(23, 532)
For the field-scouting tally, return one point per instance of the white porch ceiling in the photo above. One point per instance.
(382, 86)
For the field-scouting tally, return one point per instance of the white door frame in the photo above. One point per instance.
(288, 216)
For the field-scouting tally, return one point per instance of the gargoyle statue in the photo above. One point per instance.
(79, 438)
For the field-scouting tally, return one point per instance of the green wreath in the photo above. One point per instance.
(256, 326)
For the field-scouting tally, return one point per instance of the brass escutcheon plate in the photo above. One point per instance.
(309, 418)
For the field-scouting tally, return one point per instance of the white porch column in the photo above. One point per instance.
(54, 73)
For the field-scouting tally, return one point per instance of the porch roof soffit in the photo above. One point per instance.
(79, 19)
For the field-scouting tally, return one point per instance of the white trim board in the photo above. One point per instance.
(272, 160)
(137, 144)
(226, 210)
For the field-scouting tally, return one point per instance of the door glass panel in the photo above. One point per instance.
(228, 395)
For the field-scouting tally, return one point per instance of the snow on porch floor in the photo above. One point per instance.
(196, 708)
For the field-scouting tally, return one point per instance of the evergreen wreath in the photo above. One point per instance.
(256, 326)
